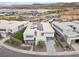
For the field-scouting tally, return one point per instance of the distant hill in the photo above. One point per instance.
(41, 6)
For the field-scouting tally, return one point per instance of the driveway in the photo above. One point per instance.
(50, 45)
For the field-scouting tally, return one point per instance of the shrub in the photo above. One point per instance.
(19, 35)
(40, 44)
(13, 42)
(66, 46)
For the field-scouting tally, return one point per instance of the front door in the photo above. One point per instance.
(30, 42)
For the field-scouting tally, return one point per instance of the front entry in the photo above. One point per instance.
(77, 41)
(0, 36)
(29, 42)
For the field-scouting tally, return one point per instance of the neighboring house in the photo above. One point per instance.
(38, 31)
(55, 17)
(7, 27)
(68, 30)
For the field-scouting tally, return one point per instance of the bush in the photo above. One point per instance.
(67, 47)
(14, 43)
(19, 35)
(40, 44)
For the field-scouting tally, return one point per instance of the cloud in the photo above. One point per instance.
(39, 1)
(25, 0)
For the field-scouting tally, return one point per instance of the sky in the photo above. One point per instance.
(9, 2)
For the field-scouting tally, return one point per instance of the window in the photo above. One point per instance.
(77, 40)
(35, 33)
(29, 36)
(10, 30)
(48, 33)
(42, 34)
(2, 29)
(31, 42)
(21, 26)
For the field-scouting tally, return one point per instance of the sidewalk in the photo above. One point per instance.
(37, 53)
(4, 39)
(24, 51)
(41, 53)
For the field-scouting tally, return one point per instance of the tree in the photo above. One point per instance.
(41, 44)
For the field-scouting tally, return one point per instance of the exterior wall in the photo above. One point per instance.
(70, 40)
(25, 38)
(49, 35)
(3, 34)
(38, 38)
(67, 39)
(61, 34)
(29, 40)
(15, 29)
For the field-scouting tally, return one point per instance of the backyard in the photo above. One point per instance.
(62, 45)
(19, 35)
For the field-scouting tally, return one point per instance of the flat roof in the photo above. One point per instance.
(4, 24)
(62, 25)
(47, 27)
(43, 26)
(67, 30)
(29, 31)
(40, 27)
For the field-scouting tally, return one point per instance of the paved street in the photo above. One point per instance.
(8, 53)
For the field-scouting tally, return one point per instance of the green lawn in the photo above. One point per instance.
(19, 35)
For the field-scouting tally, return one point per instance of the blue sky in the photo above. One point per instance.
(11, 2)
(21, 3)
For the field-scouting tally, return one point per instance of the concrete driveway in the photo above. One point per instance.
(50, 45)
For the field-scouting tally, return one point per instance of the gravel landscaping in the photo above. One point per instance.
(58, 48)
(17, 44)
(36, 48)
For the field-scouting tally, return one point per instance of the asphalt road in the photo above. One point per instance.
(8, 53)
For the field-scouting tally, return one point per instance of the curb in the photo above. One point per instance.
(41, 53)
(24, 51)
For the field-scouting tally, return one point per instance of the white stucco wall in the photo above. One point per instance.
(38, 38)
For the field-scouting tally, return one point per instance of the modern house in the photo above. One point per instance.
(68, 30)
(7, 27)
(38, 31)
(54, 17)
